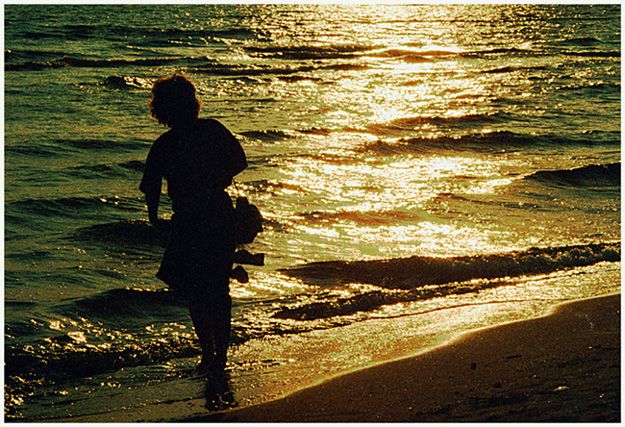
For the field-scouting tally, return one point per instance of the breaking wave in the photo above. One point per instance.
(492, 141)
(411, 123)
(126, 82)
(587, 176)
(412, 272)
(270, 135)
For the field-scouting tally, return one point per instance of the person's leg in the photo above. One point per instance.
(202, 323)
(221, 304)
(210, 309)
(213, 297)
(221, 333)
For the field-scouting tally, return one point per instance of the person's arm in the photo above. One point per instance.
(151, 183)
(152, 202)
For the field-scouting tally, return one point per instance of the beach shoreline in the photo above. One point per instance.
(563, 366)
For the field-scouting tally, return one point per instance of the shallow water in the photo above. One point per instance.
(423, 171)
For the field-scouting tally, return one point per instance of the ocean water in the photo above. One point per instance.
(423, 171)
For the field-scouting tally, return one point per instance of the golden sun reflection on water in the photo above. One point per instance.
(383, 208)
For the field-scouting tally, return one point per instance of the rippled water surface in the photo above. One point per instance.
(423, 171)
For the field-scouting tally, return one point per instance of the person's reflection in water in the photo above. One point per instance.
(198, 158)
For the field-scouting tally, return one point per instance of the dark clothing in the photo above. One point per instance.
(198, 163)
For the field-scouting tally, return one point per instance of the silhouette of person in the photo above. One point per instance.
(198, 158)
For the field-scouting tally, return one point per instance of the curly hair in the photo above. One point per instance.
(174, 101)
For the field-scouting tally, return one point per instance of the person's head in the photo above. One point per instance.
(174, 102)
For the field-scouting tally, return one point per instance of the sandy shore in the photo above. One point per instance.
(562, 367)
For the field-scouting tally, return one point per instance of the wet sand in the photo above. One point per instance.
(562, 367)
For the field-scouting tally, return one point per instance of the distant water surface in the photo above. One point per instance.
(423, 171)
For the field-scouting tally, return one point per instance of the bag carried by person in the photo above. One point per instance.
(248, 221)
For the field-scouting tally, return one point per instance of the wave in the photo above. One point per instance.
(199, 64)
(60, 147)
(512, 69)
(134, 165)
(608, 175)
(405, 55)
(329, 158)
(269, 186)
(534, 52)
(44, 60)
(315, 131)
(497, 51)
(127, 232)
(410, 123)
(367, 302)
(97, 171)
(77, 206)
(125, 303)
(69, 32)
(577, 41)
(11, 55)
(34, 151)
(309, 52)
(295, 79)
(73, 360)
(367, 218)
(123, 33)
(103, 171)
(185, 34)
(417, 271)
(270, 135)
(410, 55)
(124, 82)
(241, 70)
(594, 53)
(345, 67)
(438, 52)
(64, 358)
(110, 339)
(73, 61)
(614, 88)
(101, 144)
(492, 141)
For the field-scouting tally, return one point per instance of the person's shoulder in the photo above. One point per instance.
(214, 130)
(164, 137)
(162, 142)
(209, 123)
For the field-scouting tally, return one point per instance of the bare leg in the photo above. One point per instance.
(211, 315)
(203, 329)
(221, 331)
